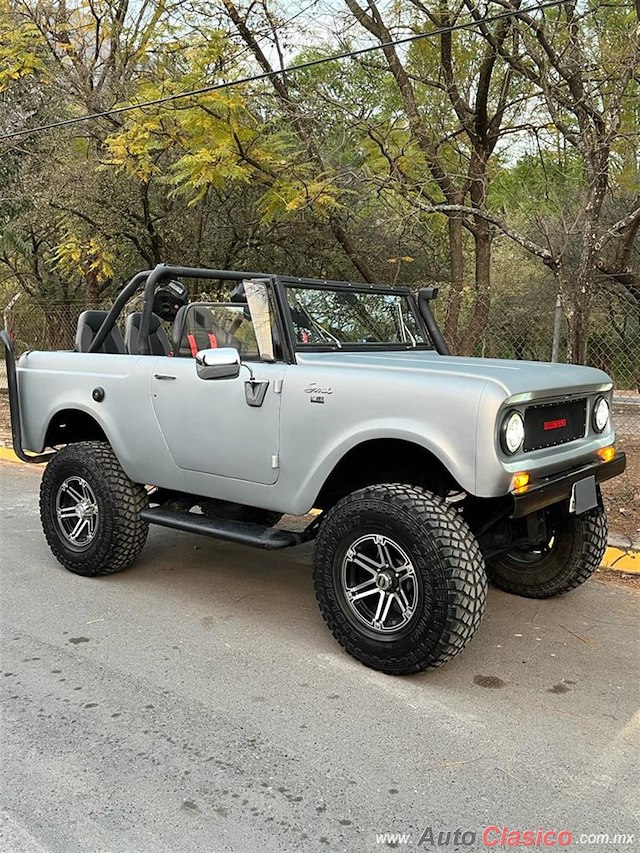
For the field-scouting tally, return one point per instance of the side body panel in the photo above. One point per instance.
(330, 403)
(361, 404)
(50, 382)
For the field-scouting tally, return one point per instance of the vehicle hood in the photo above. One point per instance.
(537, 378)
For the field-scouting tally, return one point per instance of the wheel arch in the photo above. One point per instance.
(72, 425)
(384, 460)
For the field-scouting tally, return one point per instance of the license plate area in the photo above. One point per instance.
(584, 496)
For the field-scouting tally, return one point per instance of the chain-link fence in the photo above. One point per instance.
(536, 329)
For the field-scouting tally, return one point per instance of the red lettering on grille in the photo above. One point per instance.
(557, 424)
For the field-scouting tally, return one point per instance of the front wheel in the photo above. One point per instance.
(573, 551)
(399, 578)
(90, 510)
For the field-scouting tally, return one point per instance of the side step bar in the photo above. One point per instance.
(233, 531)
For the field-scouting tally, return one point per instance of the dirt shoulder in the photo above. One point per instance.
(622, 496)
(5, 420)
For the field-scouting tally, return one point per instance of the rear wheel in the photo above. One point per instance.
(399, 578)
(573, 551)
(90, 510)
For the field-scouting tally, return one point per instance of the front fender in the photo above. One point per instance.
(463, 474)
(316, 435)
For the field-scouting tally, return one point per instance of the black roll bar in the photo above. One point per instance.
(425, 295)
(151, 278)
(14, 404)
(121, 299)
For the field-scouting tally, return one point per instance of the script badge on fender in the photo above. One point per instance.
(317, 394)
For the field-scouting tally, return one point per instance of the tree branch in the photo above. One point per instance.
(459, 209)
(616, 229)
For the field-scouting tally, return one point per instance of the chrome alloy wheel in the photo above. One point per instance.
(379, 583)
(77, 511)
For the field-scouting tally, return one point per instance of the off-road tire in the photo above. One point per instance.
(579, 543)
(449, 571)
(229, 511)
(120, 533)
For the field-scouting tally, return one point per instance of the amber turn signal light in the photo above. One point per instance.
(520, 481)
(606, 454)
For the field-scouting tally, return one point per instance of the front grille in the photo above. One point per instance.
(551, 424)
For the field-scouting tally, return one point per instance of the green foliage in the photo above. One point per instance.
(217, 141)
(245, 177)
(539, 185)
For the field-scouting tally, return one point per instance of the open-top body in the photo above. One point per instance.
(297, 393)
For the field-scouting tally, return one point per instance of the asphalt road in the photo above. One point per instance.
(196, 702)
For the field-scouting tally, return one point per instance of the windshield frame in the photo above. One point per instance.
(283, 284)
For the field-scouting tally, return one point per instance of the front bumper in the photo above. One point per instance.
(557, 488)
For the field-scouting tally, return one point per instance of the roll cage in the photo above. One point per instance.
(149, 279)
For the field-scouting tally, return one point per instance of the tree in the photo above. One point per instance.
(582, 63)
(476, 94)
(294, 111)
(405, 164)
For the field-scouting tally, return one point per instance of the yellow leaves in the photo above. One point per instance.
(403, 259)
(194, 173)
(206, 56)
(214, 140)
(88, 258)
(20, 47)
(211, 131)
(135, 149)
(146, 135)
(291, 194)
(319, 194)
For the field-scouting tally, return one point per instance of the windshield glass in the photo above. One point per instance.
(350, 317)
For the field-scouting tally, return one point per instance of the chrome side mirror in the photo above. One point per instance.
(223, 363)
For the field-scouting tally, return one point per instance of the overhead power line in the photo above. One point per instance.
(265, 75)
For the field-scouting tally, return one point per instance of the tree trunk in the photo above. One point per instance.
(454, 306)
(482, 301)
(578, 334)
(580, 296)
(93, 291)
(581, 291)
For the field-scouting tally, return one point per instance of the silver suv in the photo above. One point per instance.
(428, 472)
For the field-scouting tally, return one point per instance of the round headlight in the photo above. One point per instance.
(512, 432)
(600, 414)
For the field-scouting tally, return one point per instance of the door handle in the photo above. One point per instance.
(163, 376)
